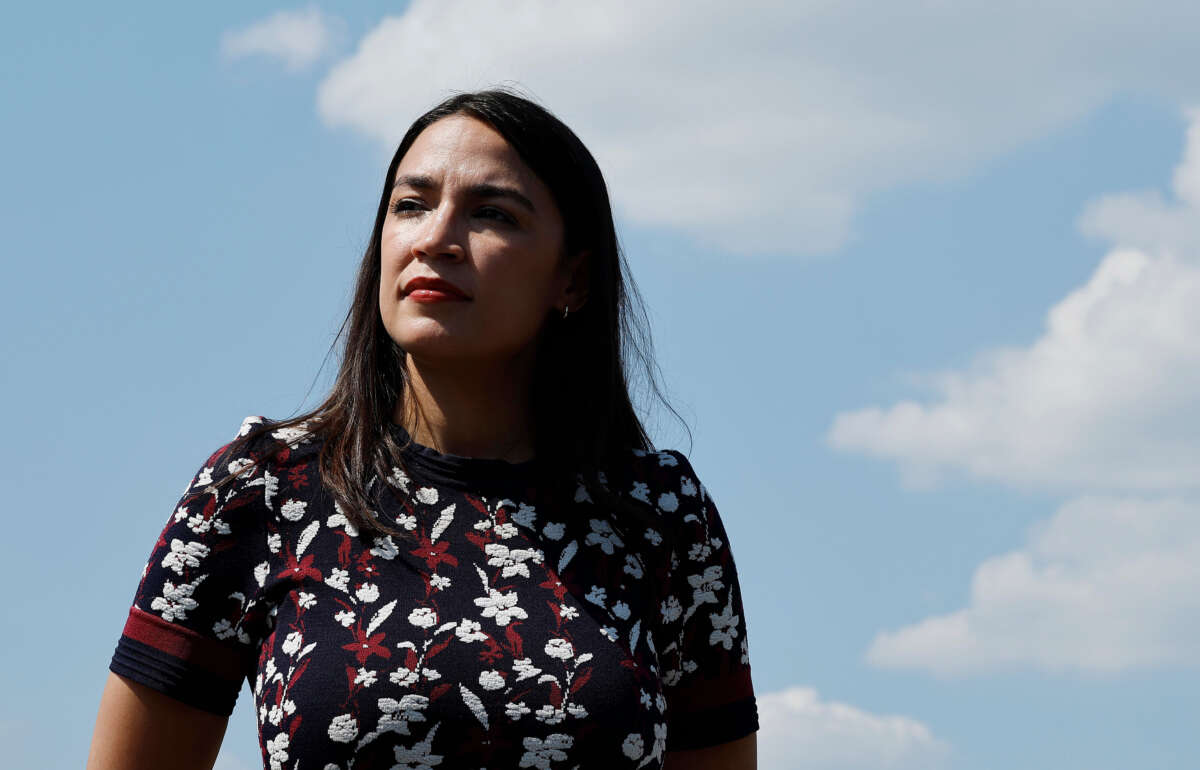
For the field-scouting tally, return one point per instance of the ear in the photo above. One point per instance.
(578, 269)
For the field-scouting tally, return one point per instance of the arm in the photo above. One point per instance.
(740, 754)
(141, 729)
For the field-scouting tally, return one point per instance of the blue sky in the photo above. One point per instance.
(950, 557)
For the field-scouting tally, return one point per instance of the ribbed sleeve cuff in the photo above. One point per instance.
(712, 726)
(171, 676)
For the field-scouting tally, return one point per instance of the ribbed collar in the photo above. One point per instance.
(470, 474)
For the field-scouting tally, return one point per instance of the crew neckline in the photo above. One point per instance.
(460, 471)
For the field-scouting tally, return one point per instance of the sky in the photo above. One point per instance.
(924, 282)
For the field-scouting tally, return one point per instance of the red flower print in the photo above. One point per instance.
(434, 553)
(364, 647)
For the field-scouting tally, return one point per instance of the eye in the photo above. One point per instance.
(403, 205)
(491, 212)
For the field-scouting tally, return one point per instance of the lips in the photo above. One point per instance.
(431, 284)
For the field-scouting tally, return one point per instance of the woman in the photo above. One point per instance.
(469, 555)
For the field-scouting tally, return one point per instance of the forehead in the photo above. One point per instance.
(460, 147)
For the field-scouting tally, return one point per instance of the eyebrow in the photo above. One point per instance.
(482, 190)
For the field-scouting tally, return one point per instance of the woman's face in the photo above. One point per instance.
(465, 209)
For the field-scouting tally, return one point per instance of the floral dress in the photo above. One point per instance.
(506, 632)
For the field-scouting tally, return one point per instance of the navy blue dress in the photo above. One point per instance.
(509, 631)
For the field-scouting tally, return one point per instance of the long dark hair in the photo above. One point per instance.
(586, 427)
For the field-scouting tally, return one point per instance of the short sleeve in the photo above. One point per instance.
(197, 617)
(705, 657)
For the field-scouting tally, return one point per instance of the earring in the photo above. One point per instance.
(566, 309)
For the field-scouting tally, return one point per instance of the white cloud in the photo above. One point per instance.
(760, 127)
(298, 38)
(1107, 584)
(799, 730)
(1103, 404)
(1104, 399)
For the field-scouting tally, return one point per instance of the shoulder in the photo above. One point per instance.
(260, 449)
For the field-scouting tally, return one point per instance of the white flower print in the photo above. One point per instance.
(567, 612)
(653, 536)
(525, 515)
(260, 573)
(293, 435)
(666, 459)
(343, 728)
(706, 584)
(345, 617)
(633, 746)
(554, 530)
(469, 631)
(646, 700)
(602, 535)
(491, 680)
(275, 715)
(699, 551)
(223, 629)
(407, 520)
(609, 633)
(524, 668)
(640, 491)
(483, 524)
(540, 753)
(550, 715)
(502, 606)
(671, 609)
(398, 713)
(199, 524)
(423, 617)
(293, 643)
(621, 610)
(385, 548)
(399, 479)
(364, 677)
(306, 600)
(403, 677)
(724, 627)
(274, 542)
(439, 582)
(293, 510)
(239, 465)
(184, 555)
(660, 740)
(559, 648)
(687, 486)
(660, 702)
(419, 757)
(668, 502)
(581, 494)
(511, 560)
(277, 750)
(289, 706)
(427, 495)
(632, 566)
(506, 530)
(339, 579)
(204, 478)
(595, 596)
(516, 710)
(367, 593)
(339, 519)
(176, 600)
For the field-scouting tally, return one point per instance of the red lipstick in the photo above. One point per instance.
(430, 289)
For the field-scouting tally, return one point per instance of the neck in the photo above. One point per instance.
(469, 412)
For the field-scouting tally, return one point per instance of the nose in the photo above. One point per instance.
(440, 236)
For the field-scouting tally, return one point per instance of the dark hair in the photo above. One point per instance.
(586, 427)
